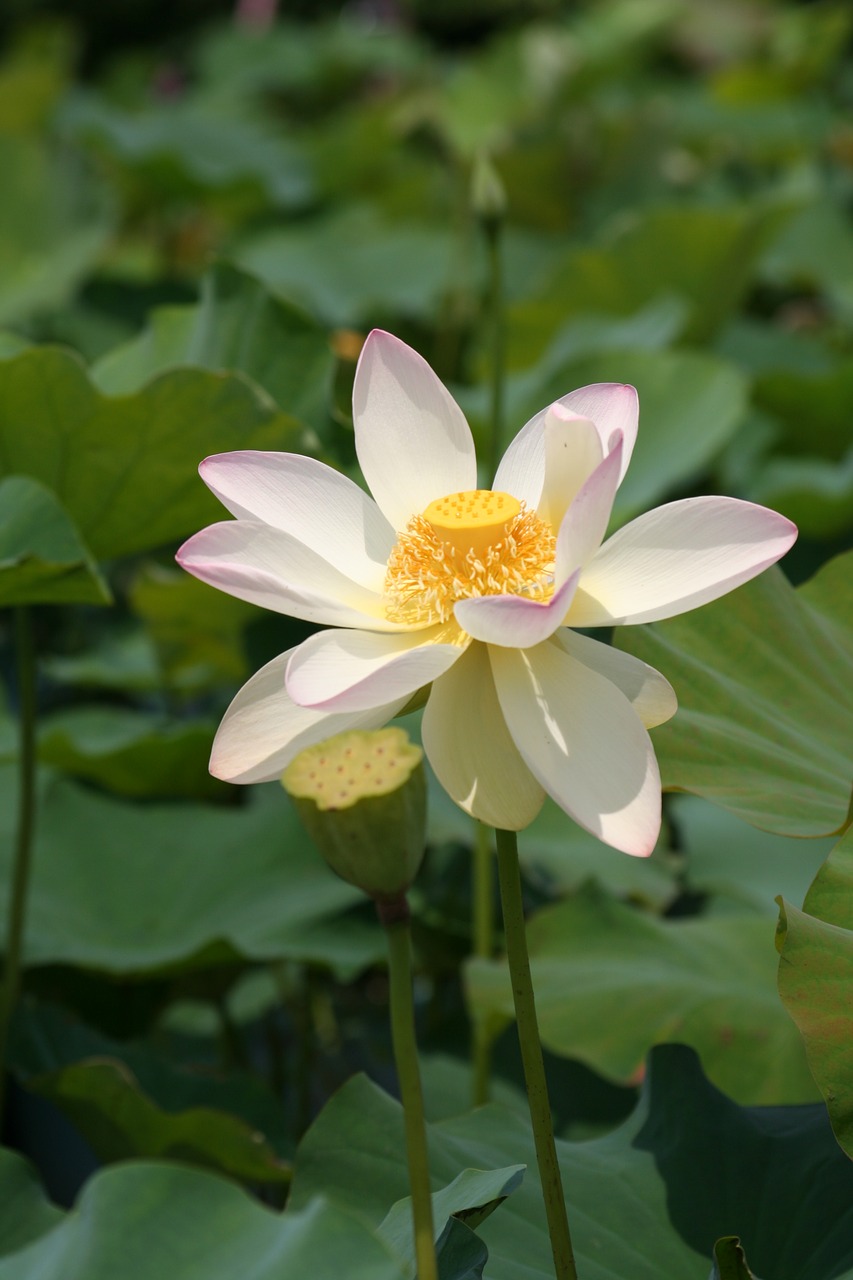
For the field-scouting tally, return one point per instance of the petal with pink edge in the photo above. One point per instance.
(515, 621)
(470, 748)
(677, 557)
(264, 729)
(312, 502)
(586, 520)
(583, 741)
(611, 406)
(572, 453)
(273, 569)
(411, 437)
(356, 670)
(650, 694)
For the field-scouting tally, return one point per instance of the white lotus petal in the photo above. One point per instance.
(263, 729)
(356, 670)
(316, 504)
(611, 406)
(651, 695)
(586, 520)
(275, 570)
(411, 437)
(470, 749)
(582, 739)
(515, 621)
(677, 557)
(572, 452)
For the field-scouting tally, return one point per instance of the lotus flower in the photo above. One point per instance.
(473, 595)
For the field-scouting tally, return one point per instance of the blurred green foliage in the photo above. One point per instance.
(204, 212)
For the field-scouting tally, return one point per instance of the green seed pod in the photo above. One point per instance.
(362, 798)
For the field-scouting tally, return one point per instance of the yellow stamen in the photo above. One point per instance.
(468, 544)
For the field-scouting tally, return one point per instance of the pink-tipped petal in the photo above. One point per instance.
(650, 694)
(586, 520)
(411, 437)
(470, 748)
(325, 510)
(267, 567)
(611, 406)
(676, 558)
(572, 453)
(581, 738)
(357, 670)
(515, 621)
(263, 729)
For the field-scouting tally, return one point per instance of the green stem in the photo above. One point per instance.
(531, 1056)
(483, 922)
(395, 918)
(492, 229)
(25, 658)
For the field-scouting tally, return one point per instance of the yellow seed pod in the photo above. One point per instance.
(362, 798)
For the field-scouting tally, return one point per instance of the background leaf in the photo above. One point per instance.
(815, 977)
(43, 559)
(130, 888)
(126, 468)
(144, 1220)
(612, 981)
(764, 679)
(687, 1168)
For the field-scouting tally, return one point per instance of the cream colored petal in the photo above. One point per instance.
(584, 742)
(323, 509)
(650, 694)
(355, 670)
(470, 748)
(411, 437)
(678, 557)
(263, 729)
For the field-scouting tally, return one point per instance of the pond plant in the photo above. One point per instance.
(524, 947)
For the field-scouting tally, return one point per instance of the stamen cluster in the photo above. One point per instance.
(427, 574)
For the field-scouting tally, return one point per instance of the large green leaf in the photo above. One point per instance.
(816, 979)
(133, 753)
(704, 255)
(738, 866)
(133, 888)
(237, 325)
(54, 221)
(556, 852)
(25, 1212)
(188, 146)
(816, 493)
(648, 1201)
(125, 468)
(471, 1197)
(43, 559)
(146, 1220)
(612, 981)
(353, 263)
(197, 630)
(730, 1261)
(104, 1101)
(764, 679)
(150, 1102)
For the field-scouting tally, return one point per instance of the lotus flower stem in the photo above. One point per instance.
(492, 228)
(26, 824)
(395, 918)
(483, 929)
(531, 1056)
